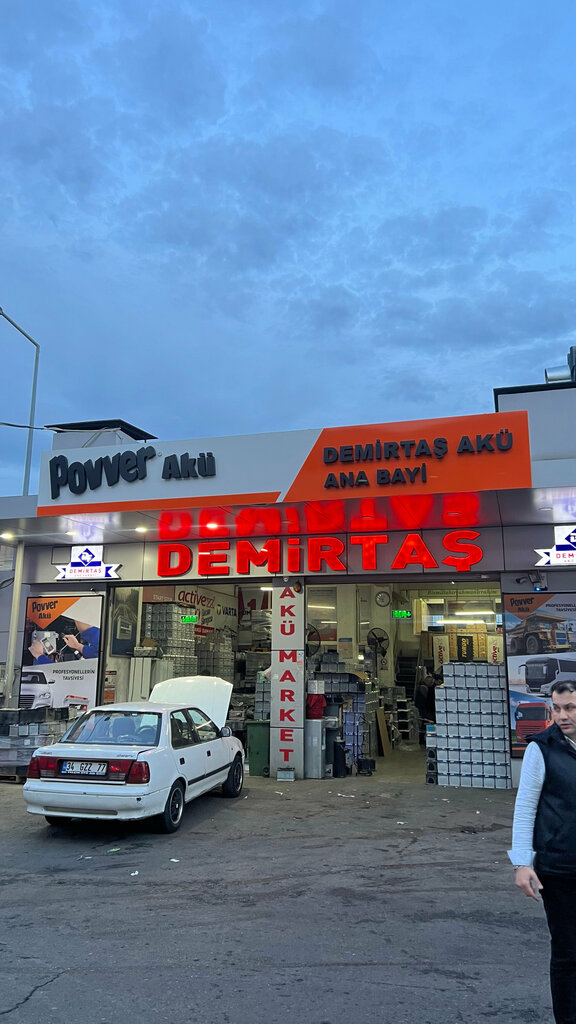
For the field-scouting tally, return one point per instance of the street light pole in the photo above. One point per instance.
(26, 483)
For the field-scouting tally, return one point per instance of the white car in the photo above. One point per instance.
(137, 760)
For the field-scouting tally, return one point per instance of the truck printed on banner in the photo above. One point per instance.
(539, 631)
(531, 717)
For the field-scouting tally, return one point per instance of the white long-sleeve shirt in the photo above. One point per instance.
(531, 781)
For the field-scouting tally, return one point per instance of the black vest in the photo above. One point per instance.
(555, 825)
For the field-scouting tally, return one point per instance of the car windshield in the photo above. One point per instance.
(124, 728)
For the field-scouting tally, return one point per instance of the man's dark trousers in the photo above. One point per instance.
(559, 896)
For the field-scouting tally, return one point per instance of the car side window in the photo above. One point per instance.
(204, 726)
(181, 730)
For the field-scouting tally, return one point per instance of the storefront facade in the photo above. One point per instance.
(293, 564)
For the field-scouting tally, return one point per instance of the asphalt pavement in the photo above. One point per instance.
(369, 900)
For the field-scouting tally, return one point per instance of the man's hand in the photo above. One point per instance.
(527, 880)
(36, 649)
(73, 642)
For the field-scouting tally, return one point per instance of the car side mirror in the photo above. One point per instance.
(225, 731)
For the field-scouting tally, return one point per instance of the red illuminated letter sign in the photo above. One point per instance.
(173, 559)
(247, 555)
(467, 554)
(414, 552)
(210, 559)
(369, 552)
(325, 549)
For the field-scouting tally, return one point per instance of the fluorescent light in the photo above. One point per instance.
(7, 536)
(477, 611)
(141, 529)
(461, 622)
(323, 607)
(266, 588)
(211, 526)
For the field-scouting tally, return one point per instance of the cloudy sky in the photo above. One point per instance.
(232, 216)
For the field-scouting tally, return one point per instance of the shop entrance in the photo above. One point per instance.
(375, 654)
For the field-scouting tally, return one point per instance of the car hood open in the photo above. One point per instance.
(208, 693)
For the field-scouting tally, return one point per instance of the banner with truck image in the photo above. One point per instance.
(61, 652)
(540, 637)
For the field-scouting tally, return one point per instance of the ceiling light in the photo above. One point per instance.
(476, 611)
(7, 536)
(211, 526)
(141, 529)
(266, 588)
(461, 622)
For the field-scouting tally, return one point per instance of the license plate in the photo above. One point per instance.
(84, 767)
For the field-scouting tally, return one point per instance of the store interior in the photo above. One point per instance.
(368, 647)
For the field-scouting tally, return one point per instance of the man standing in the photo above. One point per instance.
(425, 701)
(544, 840)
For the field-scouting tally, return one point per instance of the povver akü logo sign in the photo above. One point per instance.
(86, 563)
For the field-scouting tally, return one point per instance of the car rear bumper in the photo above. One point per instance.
(93, 800)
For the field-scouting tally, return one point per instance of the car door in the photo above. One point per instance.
(215, 749)
(188, 753)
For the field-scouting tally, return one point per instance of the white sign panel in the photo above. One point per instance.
(564, 550)
(86, 563)
(287, 710)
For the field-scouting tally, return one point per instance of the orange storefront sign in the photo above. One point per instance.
(463, 453)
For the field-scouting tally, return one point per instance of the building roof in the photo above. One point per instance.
(127, 428)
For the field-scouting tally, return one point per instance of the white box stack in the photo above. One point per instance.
(472, 727)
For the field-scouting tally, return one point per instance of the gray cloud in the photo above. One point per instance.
(262, 218)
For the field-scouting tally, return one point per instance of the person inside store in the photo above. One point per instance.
(543, 850)
(425, 701)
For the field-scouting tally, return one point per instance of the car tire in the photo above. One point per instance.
(532, 644)
(513, 645)
(56, 821)
(174, 809)
(233, 785)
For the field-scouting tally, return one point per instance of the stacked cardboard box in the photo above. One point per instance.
(262, 697)
(474, 636)
(216, 655)
(472, 727)
(175, 639)
(22, 730)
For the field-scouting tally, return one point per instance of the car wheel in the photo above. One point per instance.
(532, 645)
(513, 645)
(174, 809)
(52, 819)
(235, 780)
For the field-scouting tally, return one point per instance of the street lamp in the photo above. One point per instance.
(26, 485)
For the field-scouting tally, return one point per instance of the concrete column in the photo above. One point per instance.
(11, 696)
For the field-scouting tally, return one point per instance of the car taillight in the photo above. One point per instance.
(139, 772)
(123, 770)
(118, 769)
(43, 767)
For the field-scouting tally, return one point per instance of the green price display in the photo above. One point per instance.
(401, 613)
